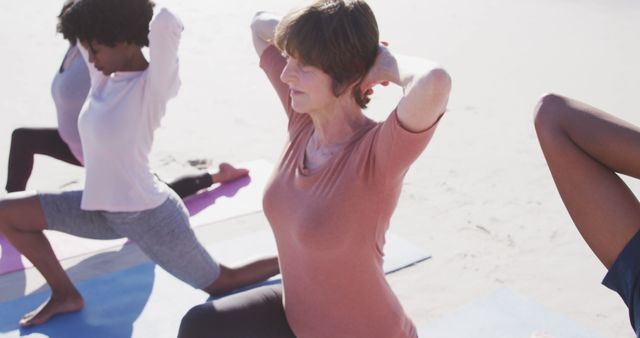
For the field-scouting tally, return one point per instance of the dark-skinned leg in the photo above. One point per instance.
(22, 222)
(25, 143)
(585, 148)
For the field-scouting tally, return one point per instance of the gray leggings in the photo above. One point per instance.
(257, 313)
(162, 233)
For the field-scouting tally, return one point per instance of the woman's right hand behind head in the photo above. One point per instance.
(379, 73)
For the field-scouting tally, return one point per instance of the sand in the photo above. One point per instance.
(480, 199)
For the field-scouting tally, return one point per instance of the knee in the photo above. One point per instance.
(20, 136)
(22, 139)
(200, 321)
(548, 110)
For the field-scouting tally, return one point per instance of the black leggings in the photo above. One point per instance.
(26, 142)
(256, 313)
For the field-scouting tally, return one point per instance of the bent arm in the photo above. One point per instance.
(408, 130)
(426, 95)
(426, 87)
(263, 28)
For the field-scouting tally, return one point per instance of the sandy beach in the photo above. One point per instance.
(480, 199)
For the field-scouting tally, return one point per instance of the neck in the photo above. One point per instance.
(335, 124)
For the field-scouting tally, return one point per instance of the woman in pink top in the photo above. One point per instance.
(331, 197)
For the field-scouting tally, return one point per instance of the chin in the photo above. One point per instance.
(303, 107)
(298, 108)
(301, 111)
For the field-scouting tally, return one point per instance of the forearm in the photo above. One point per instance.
(425, 85)
(406, 71)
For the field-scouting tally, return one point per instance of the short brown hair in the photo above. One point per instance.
(338, 36)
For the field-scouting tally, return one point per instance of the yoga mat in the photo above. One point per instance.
(145, 301)
(504, 314)
(399, 253)
(240, 197)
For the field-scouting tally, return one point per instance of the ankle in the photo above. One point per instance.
(65, 293)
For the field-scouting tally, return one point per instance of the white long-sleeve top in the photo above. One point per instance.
(118, 122)
(69, 90)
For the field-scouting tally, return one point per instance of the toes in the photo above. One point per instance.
(27, 320)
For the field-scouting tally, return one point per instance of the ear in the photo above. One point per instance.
(360, 93)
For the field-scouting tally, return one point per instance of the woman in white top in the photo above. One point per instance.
(69, 90)
(122, 197)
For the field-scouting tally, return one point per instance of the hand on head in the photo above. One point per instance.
(376, 75)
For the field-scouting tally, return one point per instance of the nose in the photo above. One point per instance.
(288, 74)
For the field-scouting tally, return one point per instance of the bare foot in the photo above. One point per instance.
(228, 173)
(54, 306)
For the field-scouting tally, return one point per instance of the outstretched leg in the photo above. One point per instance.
(585, 148)
(189, 185)
(22, 222)
(165, 235)
(235, 278)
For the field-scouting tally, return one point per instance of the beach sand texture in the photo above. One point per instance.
(480, 199)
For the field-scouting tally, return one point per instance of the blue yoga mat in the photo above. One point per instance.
(504, 314)
(145, 301)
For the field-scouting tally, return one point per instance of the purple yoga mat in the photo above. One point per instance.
(240, 197)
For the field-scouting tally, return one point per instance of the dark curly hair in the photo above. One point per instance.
(338, 36)
(106, 21)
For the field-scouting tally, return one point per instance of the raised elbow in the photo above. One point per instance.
(255, 21)
(260, 20)
(439, 79)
